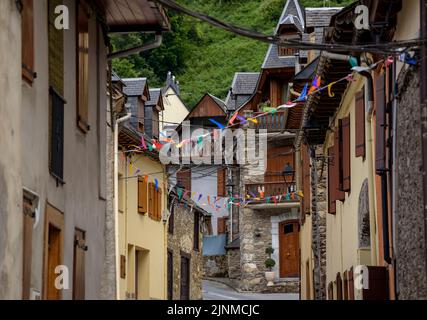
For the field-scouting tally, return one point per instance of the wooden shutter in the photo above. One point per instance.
(82, 68)
(345, 285)
(196, 239)
(350, 284)
(220, 225)
(331, 291)
(378, 284)
(360, 125)
(339, 195)
(142, 196)
(380, 153)
(159, 204)
(331, 178)
(221, 192)
(27, 247)
(184, 178)
(79, 265)
(122, 266)
(345, 182)
(27, 25)
(155, 215)
(56, 50)
(339, 286)
(151, 200)
(305, 155)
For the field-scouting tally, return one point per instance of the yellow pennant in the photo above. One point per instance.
(253, 120)
(330, 93)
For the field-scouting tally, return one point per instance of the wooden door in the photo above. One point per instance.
(185, 278)
(79, 265)
(53, 260)
(170, 275)
(289, 249)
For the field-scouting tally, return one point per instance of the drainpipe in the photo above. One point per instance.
(116, 199)
(158, 39)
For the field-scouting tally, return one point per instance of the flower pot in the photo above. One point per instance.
(269, 276)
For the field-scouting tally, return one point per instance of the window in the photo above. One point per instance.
(80, 249)
(82, 67)
(196, 231)
(56, 165)
(344, 128)
(142, 196)
(286, 52)
(221, 176)
(288, 228)
(27, 25)
(154, 202)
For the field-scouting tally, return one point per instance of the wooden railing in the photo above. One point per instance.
(271, 122)
(265, 190)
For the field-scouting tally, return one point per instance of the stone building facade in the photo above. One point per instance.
(184, 248)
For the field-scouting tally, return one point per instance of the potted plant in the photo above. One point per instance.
(269, 264)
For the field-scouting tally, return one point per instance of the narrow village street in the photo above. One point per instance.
(213, 290)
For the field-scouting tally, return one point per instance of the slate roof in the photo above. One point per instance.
(243, 86)
(134, 86)
(293, 11)
(272, 59)
(309, 71)
(154, 96)
(319, 17)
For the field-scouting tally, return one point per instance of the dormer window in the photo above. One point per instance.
(286, 52)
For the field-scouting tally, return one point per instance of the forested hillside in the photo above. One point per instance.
(204, 58)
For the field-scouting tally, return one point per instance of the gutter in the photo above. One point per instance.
(158, 39)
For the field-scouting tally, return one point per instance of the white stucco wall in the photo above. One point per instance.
(175, 111)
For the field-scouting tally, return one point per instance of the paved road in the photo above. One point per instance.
(218, 291)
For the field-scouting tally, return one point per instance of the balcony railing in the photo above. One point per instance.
(271, 122)
(264, 191)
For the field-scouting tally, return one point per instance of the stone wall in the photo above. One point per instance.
(215, 266)
(411, 259)
(233, 262)
(181, 243)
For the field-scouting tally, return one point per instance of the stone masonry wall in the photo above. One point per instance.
(215, 266)
(411, 259)
(233, 261)
(181, 242)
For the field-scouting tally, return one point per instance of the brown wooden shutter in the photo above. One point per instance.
(331, 291)
(123, 267)
(27, 25)
(27, 247)
(339, 286)
(142, 196)
(196, 233)
(345, 182)
(331, 178)
(306, 180)
(339, 195)
(82, 68)
(184, 178)
(350, 284)
(221, 225)
(378, 284)
(221, 192)
(79, 265)
(345, 285)
(360, 125)
(380, 152)
(151, 207)
(159, 204)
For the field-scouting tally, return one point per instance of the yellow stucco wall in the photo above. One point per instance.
(342, 251)
(140, 233)
(306, 256)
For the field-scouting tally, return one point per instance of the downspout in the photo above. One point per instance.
(372, 216)
(116, 198)
(158, 39)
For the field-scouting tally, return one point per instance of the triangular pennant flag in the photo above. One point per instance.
(143, 145)
(389, 61)
(219, 125)
(233, 118)
(287, 105)
(253, 120)
(145, 178)
(303, 94)
(242, 119)
(330, 93)
(200, 140)
(156, 184)
(137, 171)
(179, 192)
(200, 197)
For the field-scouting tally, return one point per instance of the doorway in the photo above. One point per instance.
(185, 277)
(289, 249)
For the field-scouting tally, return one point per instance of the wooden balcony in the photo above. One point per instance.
(274, 122)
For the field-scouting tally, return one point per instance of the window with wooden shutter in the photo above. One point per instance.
(184, 178)
(380, 143)
(27, 25)
(378, 284)
(79, 271)
(142, 196)
(350, 284)
(82, 67)
(155, 205)
(339, 195)
(345, 286)
(159, 204)
(360, 125)
(305, 155)
(56, 163)
(122, 266)
(221, 225)
(221, 192)
(151, 200)
(344, 127)
(331, 291)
